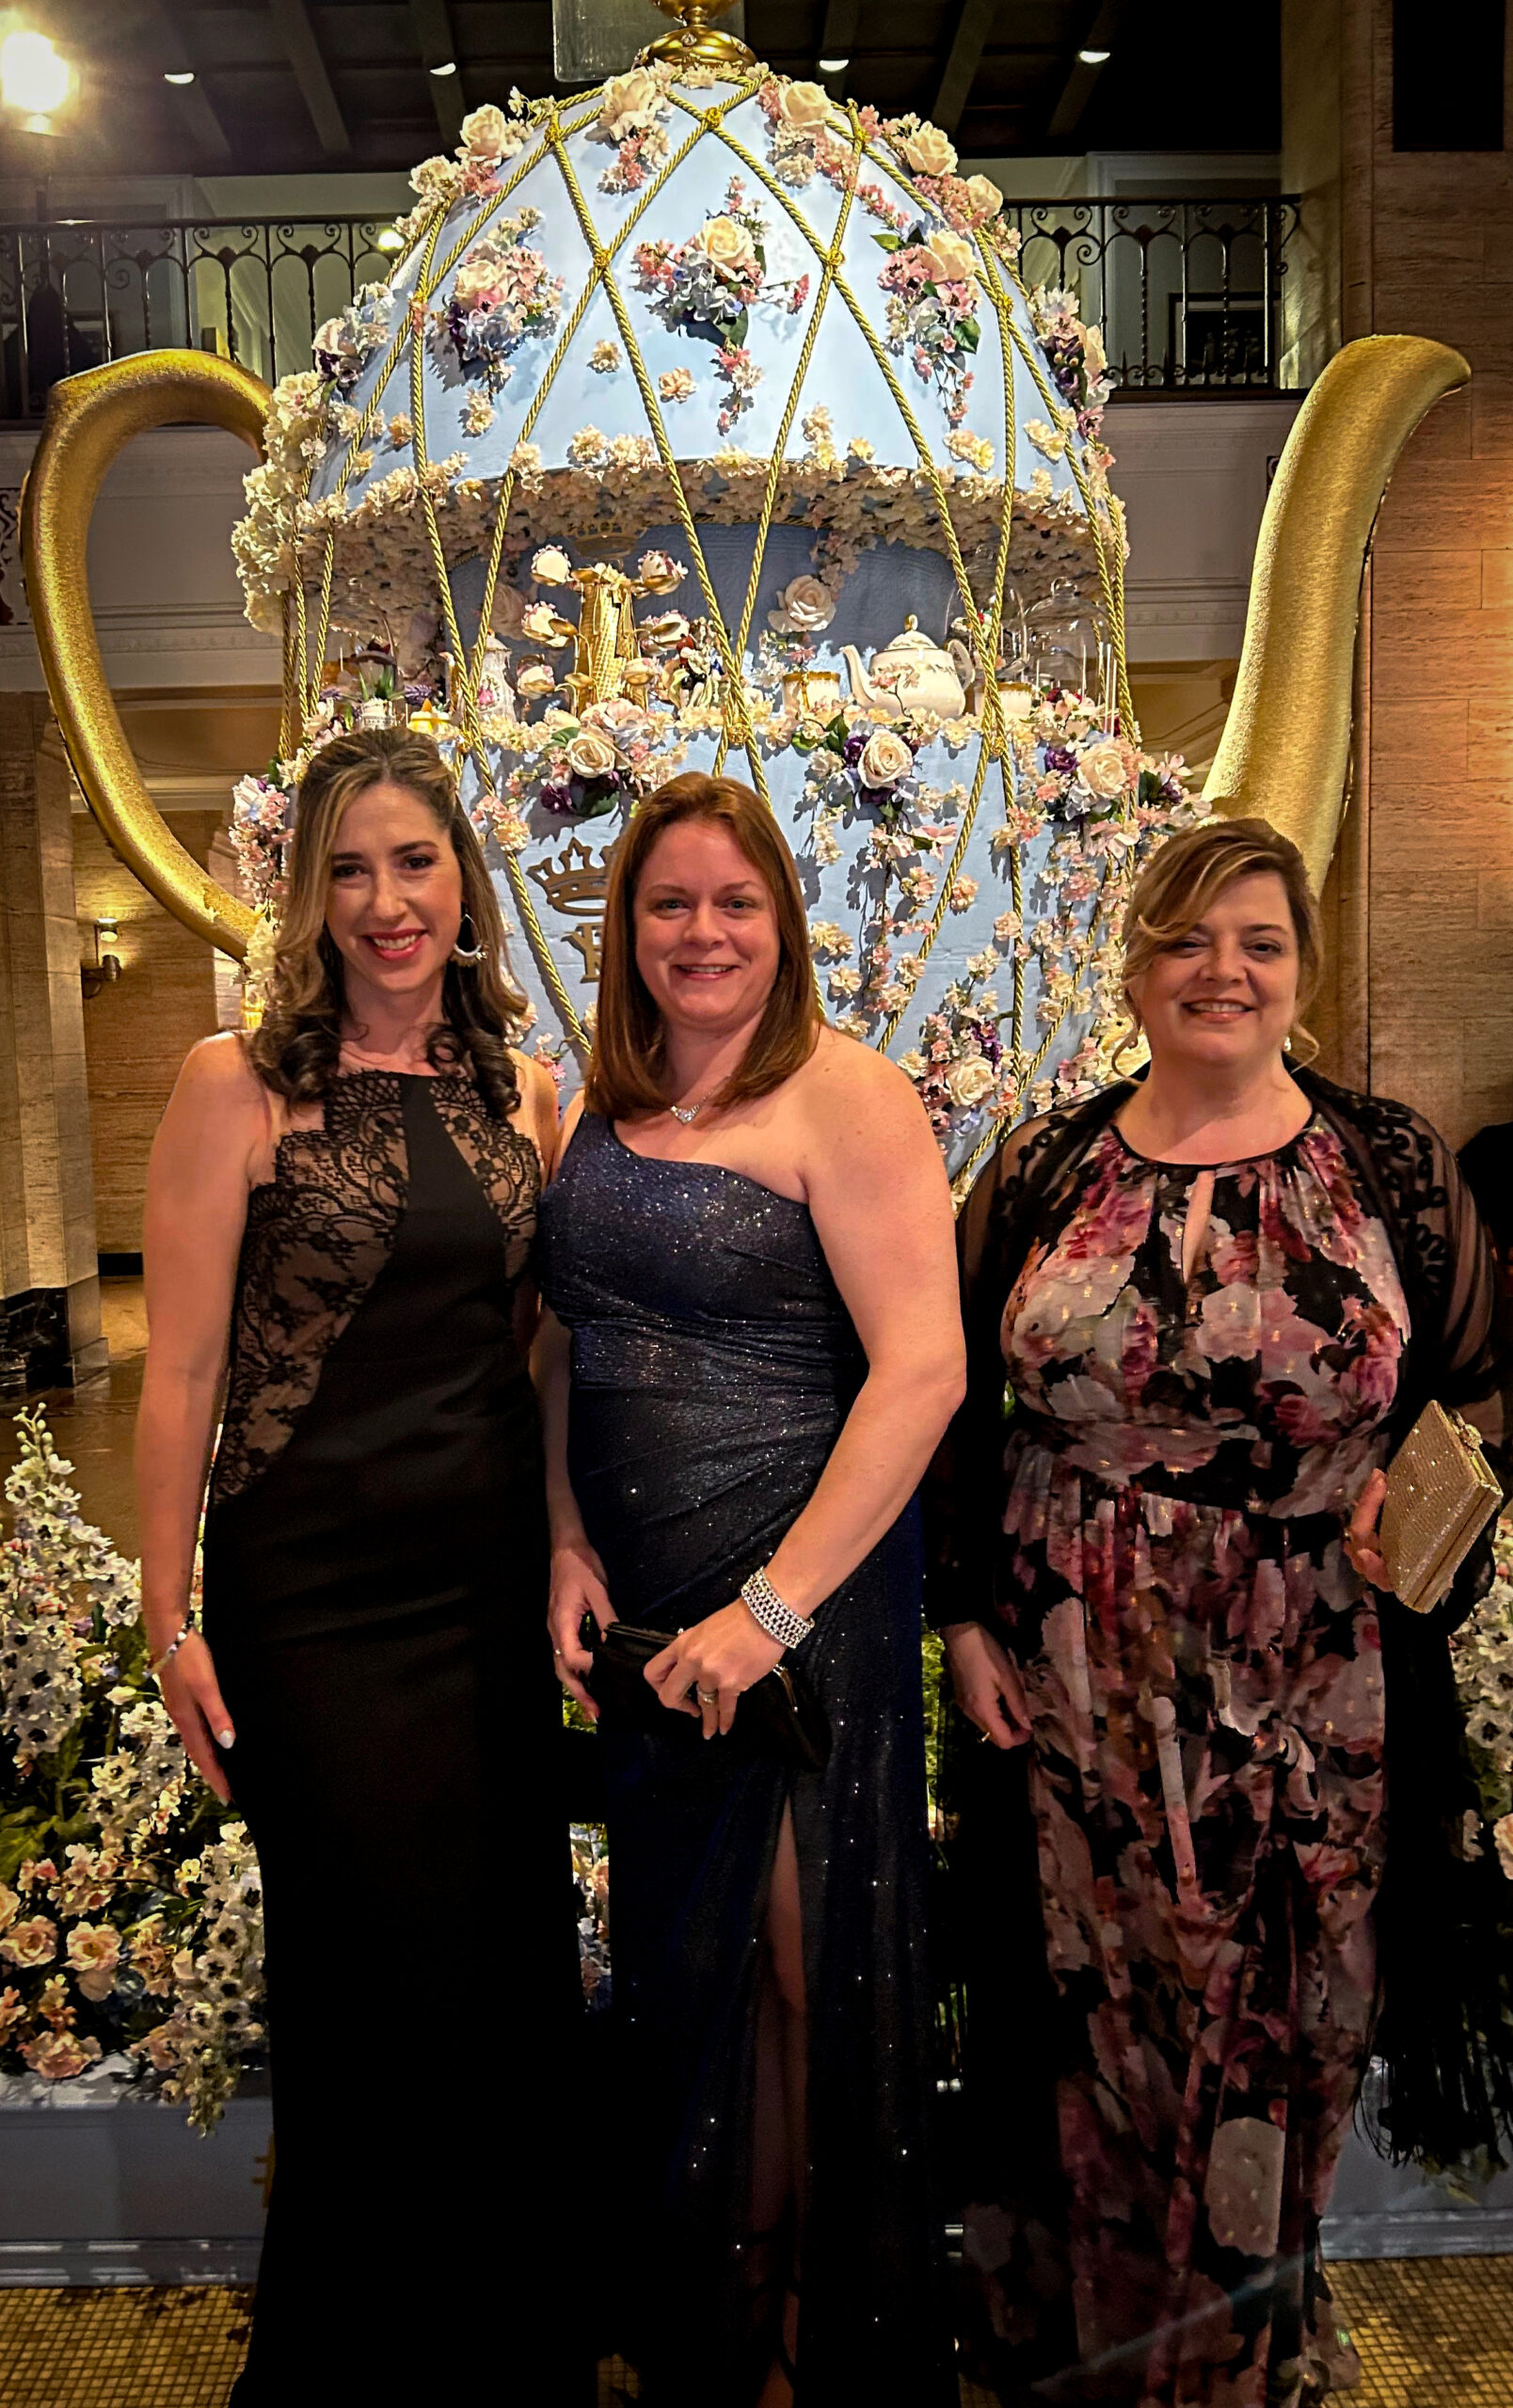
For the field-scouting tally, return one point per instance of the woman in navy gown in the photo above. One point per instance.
(749, 1242)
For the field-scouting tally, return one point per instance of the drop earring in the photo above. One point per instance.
(472, 951)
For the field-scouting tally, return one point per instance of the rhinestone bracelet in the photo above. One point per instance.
(766, 1609)
(186, 1630)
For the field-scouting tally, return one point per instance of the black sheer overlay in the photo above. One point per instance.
(1445, 1963)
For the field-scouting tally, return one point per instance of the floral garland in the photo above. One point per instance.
(709, 285)
(343, 347)
(931, 281)
(1078, 365)
(502, 292)
(130, 1915)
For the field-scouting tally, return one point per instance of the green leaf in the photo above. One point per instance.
(738, 330)
(968, 334)
(838, 727)
(888, 242)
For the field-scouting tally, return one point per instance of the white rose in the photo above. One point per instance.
(329, 337)
(803, 607)
(728, 246)
(970, 1082)
(535, 678)
(434, 178)
(803, 104)
(1095, 358)
(1103, 770)
(886, 759)
(983, 193)
(484, 133)
(930, 151)
(590, 755)
(952, 260)
(551, 566)
(628, 96)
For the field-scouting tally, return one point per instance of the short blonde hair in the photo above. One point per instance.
(1189, 873)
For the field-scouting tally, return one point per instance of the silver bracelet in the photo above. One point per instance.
(186, 1630)
(766, 1609)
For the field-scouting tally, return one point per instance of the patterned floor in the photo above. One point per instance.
(1434, 2333)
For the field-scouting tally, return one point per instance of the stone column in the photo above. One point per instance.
(49, 1273)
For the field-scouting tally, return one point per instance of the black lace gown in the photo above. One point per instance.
(713, 1364)
(374, 1600)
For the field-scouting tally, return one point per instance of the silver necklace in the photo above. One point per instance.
(688, 1112)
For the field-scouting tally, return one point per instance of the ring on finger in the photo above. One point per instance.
(708, 1697)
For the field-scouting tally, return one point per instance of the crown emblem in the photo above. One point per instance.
(576, 886)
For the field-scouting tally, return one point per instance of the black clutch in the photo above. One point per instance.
(779, 1713)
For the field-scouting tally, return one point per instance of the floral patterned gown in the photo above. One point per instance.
(1204, 1675)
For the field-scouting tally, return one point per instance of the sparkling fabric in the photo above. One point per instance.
(713, 1364)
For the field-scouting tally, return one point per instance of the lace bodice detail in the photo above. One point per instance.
(319, 1232)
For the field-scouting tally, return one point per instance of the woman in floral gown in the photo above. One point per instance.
(1221, 1294)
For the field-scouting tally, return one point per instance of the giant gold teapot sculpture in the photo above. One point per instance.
(726, 301)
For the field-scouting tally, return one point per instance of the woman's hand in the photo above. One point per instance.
(192, 1695)
(988, 1688)
(578, 1588)
(716, 1660)
(1361, 1537)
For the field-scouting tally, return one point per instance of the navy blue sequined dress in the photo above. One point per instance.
(713, 1364)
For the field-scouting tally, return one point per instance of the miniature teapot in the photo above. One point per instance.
(912, 674)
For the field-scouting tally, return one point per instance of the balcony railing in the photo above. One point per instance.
(1188, 293)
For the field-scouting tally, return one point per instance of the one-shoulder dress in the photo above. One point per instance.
(713, 1364)
(374, 1601)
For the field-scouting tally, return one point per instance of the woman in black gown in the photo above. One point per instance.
(749, 1240)
(343, 1205)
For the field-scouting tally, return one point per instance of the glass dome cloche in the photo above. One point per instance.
(706, 424)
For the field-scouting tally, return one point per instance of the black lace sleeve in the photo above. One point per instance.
(964, 1487)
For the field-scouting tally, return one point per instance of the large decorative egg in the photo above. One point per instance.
(707, 424)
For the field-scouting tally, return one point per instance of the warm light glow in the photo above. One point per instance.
(188, 76)
(450, 68)
(1094, 57)
(389, 240)
(834, 66)
(33, 77)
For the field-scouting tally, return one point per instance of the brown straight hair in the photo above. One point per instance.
(1190, 871)
(296, 1049)
(627, 1075)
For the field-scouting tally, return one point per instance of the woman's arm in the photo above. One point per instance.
(878, 1193)
(201, 1166)
(578, 1585)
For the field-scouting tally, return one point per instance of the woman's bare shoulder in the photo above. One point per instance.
(842, 1071)
(217, 1077)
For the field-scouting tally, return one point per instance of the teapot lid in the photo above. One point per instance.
(913, 639)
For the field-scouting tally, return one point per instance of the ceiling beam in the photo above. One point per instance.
(964, 57)
(1102, 33)
(838, 36)
(291, 18)
(195, 107)
(432, 21)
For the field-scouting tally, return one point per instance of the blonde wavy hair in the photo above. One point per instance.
(1188, 875)
(294, 1050)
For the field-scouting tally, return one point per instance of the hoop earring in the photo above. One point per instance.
(472, 951)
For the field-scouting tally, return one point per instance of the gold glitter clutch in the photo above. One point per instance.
(1441, 1496)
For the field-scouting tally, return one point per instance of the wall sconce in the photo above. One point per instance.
(105, 968)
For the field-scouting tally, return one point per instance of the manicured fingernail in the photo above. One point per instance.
(226, 1738)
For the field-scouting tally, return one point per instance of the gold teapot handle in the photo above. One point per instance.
(90, 417)
(1285, 749)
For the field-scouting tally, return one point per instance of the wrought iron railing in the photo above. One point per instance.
(1188, 293)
